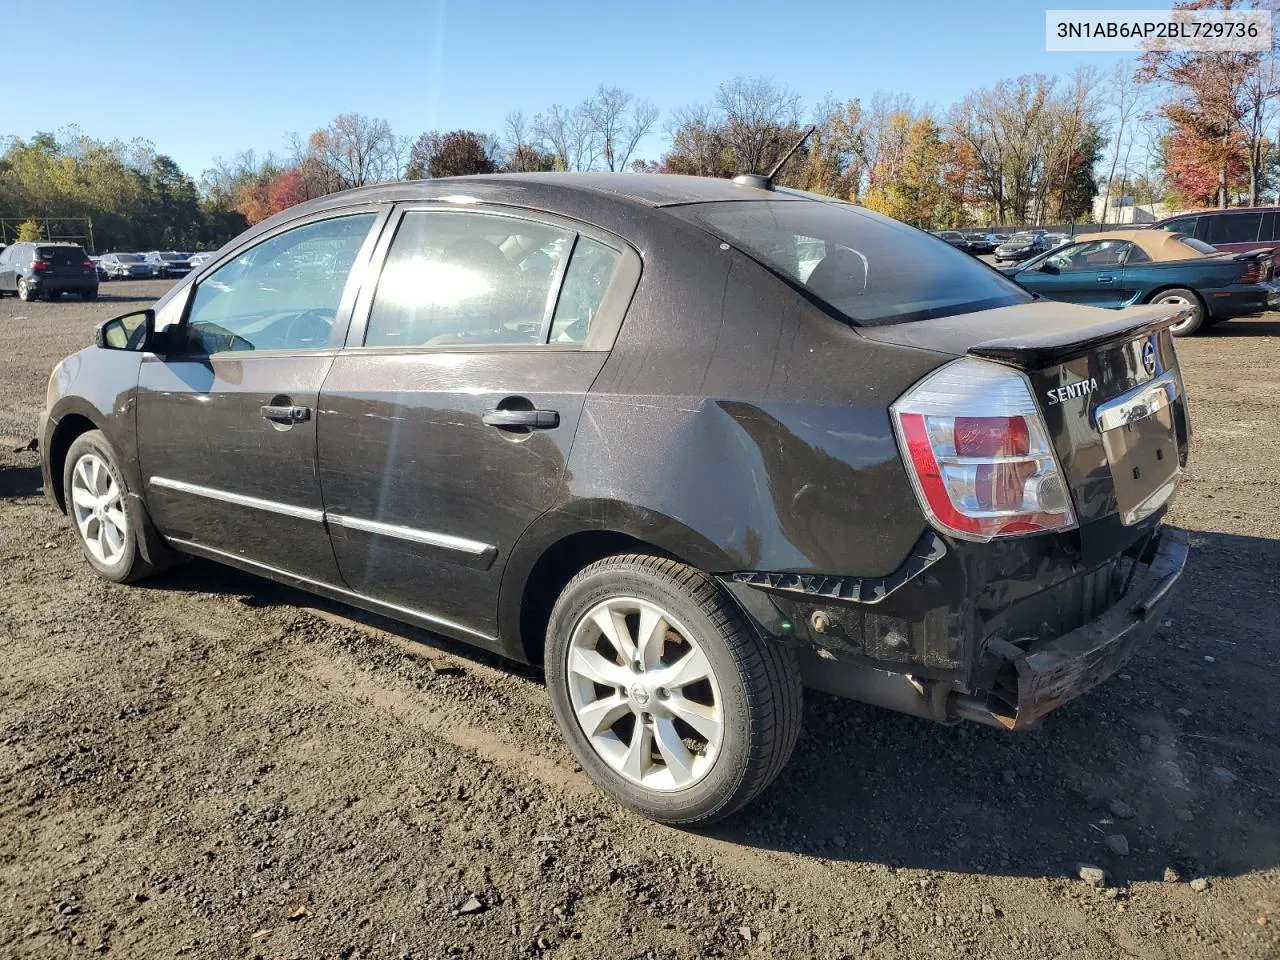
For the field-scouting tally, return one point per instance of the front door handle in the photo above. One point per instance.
(1106, 279)
(533, 419)
(286, 414)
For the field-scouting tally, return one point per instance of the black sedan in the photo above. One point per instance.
(691, 444)
(1021, 246)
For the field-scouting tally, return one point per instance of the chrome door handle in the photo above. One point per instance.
(285, 414)
(1106, 279)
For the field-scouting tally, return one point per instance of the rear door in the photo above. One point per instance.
(8, 257)
(1237, 232)
(65, 264)
(227, 419)
(446, 423)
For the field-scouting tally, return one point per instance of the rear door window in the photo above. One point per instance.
(1234, 227)
(873, 271)
(473, 279)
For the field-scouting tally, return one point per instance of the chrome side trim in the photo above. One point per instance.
(472, 548)
(239, 499)
(317, 586)
(1140, 402)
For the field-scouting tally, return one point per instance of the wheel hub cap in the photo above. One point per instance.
(97, 505)
(644, 693)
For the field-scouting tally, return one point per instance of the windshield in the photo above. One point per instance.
(172, 256)
(1023, 238)
(873, 270)
(128, 257)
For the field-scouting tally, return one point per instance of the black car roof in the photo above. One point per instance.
(637, 189)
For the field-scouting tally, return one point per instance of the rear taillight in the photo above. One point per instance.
(38, 265)
(979, 455)
(1254, 273)
(90, 265)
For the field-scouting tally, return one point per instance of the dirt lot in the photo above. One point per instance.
(213, 766)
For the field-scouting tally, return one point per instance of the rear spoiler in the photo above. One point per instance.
(1261, 253)
(1043, 347)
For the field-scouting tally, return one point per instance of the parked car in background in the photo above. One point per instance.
(953, 237)
(938, 493)
(1057, 239)
(169, 263)
(1021, 246)
(1239, 229)
(1127, 267)
(982, 243)
(48, 270)
(202, 257)
(126, 266)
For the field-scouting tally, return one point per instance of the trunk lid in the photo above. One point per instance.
(1109, 388)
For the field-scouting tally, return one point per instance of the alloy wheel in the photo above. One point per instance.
(97, 503)
(1181, 301)
(645, 694)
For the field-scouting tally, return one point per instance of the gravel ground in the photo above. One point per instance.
(210, 765)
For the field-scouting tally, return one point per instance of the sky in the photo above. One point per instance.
(207, 80)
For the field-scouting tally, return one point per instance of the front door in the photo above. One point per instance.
(1089, 273)
(446, 425)
(227, 419)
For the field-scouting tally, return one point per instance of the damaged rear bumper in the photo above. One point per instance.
(939, 657)
(1040, 676)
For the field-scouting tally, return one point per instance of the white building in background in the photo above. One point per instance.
(1121, 210)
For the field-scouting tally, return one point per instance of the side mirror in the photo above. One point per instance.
(133, 331)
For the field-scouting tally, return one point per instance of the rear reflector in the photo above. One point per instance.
(979, 454)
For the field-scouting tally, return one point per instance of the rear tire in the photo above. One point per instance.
(97, 502)
(687, 728)
(26, 293)
(1183, 296)
(89, 295)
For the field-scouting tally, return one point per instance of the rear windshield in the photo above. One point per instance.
(128, 257)
(172, 256)
(60, 255)
(1200, 245)
(873, 270)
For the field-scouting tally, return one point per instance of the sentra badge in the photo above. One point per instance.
(1069, 391)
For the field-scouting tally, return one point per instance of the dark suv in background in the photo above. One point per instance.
(1238, 230)
(34, 270)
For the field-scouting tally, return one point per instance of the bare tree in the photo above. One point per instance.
(357, 150)
(619, 122)
(694, 134)
(569, 135)
(753, 110)
(1126, 100)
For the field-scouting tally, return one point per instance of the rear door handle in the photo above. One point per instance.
(1106, 279)
(286, 414)
(533, 419)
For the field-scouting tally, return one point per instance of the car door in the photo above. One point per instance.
(227, 418)
(1088, 272)
(7, 281)
(446, 423)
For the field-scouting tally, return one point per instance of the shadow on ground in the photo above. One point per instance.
(18, 481)
(1252, 327)
(1198, 791)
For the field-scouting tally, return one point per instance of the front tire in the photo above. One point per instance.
(669, 699)
(97, 503)
(1180, 296)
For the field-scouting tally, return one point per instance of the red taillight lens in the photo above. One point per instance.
(39, 264)
(979, 453)
(90, 265)
(1254, 273)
